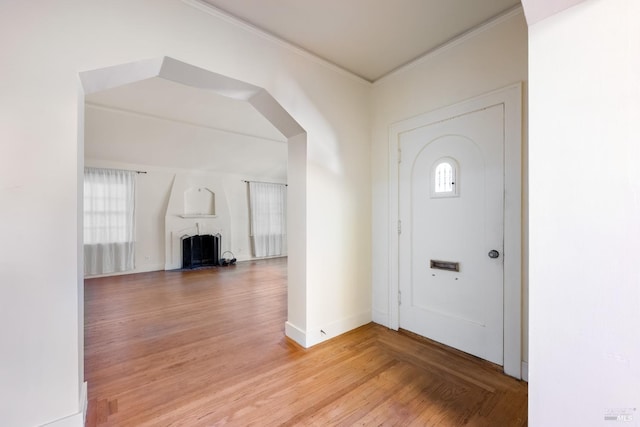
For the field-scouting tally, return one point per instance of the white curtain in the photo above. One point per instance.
(109, 201)
(268, 216)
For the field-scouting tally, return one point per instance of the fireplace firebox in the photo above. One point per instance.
(201, 251)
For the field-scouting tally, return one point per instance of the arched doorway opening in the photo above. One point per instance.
(170, 69)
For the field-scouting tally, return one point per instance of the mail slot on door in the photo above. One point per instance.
(445, 265)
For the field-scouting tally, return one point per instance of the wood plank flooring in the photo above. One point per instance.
(207, 348)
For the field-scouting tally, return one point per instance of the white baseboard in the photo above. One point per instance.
(144, 268)
(318, 334)
(525, 371)
(84, 402)
(295, 333)
(77, 419)
(169, 266)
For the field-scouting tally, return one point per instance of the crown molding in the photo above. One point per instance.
(240, 23)
(468, 35)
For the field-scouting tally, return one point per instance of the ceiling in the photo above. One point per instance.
(162, 123)
(369, 38)
(161, 98)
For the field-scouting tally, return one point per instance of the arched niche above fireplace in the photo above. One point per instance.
(199, 202)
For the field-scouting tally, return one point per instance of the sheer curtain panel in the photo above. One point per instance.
(268, 215)
(109, 201)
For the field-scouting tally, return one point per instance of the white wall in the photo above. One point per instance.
(585, 214)
(50, 43)
(494, 58)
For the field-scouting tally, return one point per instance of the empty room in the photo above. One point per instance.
(326, 213)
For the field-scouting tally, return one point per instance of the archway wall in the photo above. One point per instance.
(41, 308)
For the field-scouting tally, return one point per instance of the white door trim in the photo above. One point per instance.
(511, 97)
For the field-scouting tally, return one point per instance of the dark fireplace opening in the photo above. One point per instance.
(201, 251)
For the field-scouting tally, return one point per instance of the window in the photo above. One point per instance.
(268, 216)
(108, 220)
(444, 178)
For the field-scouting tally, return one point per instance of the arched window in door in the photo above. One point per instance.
(444, 178)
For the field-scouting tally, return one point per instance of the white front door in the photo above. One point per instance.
(451, 206)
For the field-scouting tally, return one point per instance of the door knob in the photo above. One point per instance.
(493, 253)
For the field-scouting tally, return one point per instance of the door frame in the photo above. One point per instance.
(511, 98)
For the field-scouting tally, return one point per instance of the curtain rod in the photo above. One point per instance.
(263, 182)
(115, 169)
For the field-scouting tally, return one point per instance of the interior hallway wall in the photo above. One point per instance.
(585, 216)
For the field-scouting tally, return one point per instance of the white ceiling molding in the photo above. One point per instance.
(310, 40)
(218, 13)
(369, 38)
(474, 32)
(538, 10)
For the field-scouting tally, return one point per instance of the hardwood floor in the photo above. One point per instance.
(207, 347)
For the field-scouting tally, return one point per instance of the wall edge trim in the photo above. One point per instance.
(322, 333)
(238, 22)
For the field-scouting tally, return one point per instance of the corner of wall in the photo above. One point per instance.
(295, 333)
(323, 333)
(380, 317)
(525, 371)
(79, 418)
